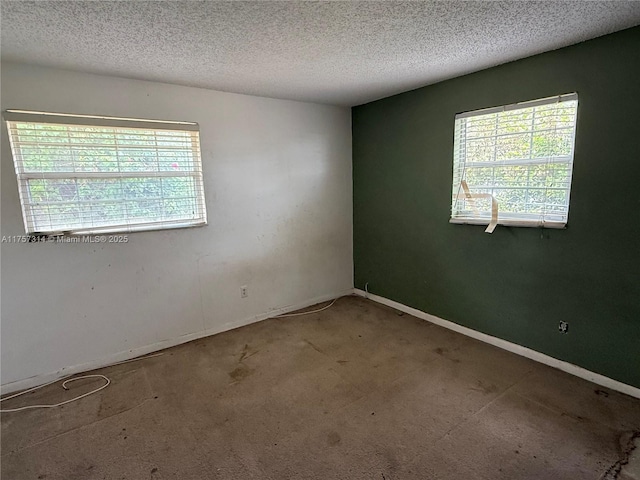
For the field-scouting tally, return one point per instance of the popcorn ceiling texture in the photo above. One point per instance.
(343, 53)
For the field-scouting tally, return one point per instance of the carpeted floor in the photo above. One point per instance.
(358, 391)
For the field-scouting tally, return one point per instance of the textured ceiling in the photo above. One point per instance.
(344, 53)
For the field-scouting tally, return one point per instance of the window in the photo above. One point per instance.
(83, 174)
(512, 165)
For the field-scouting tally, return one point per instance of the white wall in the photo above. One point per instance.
(279, 201)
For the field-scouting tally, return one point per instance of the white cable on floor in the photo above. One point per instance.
(67, 380)
(64, 385)
(305, 313)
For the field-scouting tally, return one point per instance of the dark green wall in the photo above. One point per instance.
(518, 283)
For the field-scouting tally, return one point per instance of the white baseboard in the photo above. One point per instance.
(144, 350)
(511, 347)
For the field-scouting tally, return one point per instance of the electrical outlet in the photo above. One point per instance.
(563, 327)
(244, 291)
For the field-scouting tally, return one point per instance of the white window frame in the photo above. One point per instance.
(188, 132)
(463, 196)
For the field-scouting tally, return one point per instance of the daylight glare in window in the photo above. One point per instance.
(81, 174)
(515, 161)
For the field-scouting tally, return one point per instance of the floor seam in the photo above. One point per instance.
(473, 415)
(46, 440)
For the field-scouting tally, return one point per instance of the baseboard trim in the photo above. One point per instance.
(172, 342)
(504, 344)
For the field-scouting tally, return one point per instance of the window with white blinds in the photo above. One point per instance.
(512, 165)
(82, 174)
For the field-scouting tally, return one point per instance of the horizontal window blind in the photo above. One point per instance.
(520, 156)
(91, 174)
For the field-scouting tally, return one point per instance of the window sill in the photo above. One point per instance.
(510, 223)
(119, 229)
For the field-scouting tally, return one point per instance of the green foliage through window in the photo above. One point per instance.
(522, 155)
(78, 178)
